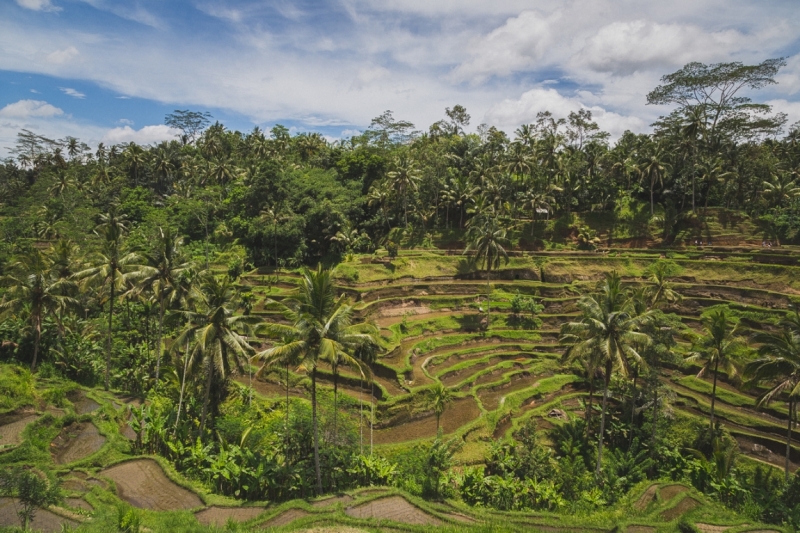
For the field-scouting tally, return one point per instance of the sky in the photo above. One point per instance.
(109, 71)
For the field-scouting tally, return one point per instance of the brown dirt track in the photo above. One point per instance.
(82, 404)
(670, 491)
(76, 441)
(219, 516)
(142, 483)
(646, 499)
(683, 507)
(44, 520)
(394, 508)
(286, 517)
(332, 501)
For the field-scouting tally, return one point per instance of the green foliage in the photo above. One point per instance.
(33, 489)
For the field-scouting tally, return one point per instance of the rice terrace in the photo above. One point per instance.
(577, 311)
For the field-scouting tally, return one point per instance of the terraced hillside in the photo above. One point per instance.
(430, 309)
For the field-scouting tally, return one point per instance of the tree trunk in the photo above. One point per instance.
(286, 453)
(160, 337)
(315, 429)
(590, 407)
(652, 210)
(335, 398)
(602, 421)
(183, 387)
(108, 335)
(37, 340)
(694, 210)
(633, 407)
(714, 395)
(207, 396)
(361, 415)
(372, 417)
(788, 439)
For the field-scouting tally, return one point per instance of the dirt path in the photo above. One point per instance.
(286, 517)
(491, 398)
(396, 509)
(11, 431)
(142, 483)
(219, 516)
(457, 414)
(44, 520)
(76, 441)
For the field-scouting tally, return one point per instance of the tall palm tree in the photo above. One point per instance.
(662, 290)
(321, 329)
(36, 288)
(404, 179)
(161, 276)
(717, 349)
(653, 168)
(487, 241)
(216, 336)
(607, 335)
(779, 367)
(109, 270)
(439, 397)
(780, 189)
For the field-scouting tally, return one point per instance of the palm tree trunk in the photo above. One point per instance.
(361, 415)
(714, 395)
(335, 397)
(372, 416)
(286, 453)
(633, 407)
(108, 335)
(652, 211)
(207, 396)
(37, 339)
(590, 407)
(160, 336)
(602, 422)
(788, 439)
(315, 429)
(183, 387)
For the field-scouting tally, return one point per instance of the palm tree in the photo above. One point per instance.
(694, 130)
(662, 291)
(717, 348)
(36, 288)
(779, 367)
(652, 169)
(321, 330)
(711, 171)
(274, 216)
(780, 189)
(438, 399)
(110, 269)
(404, 179)
(217, 338)
(161, 275)
(607, 336)
(487, 241)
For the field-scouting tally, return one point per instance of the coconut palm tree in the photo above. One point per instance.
(662, 290)
(160, 275)
(717, 350)
(216, 336)
(110, 269)
(780, 189)
(487, 241)
(321, 329)
(404, 179)
(35, 288)
(652, 169)
(607, 335)
(779, 367)
(439, 397)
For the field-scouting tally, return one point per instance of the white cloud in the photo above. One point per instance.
(509, 113)
(38, 5)
(72, 92)
(789, 78)
(59, 57)
(792, 110)
(145, 135)
(517, 45)
(30, 108)
(34, 91)
(625, 47)
(125, 121)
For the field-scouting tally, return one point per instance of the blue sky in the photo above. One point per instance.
(108, 70)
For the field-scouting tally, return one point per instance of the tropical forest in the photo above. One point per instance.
(441, 327)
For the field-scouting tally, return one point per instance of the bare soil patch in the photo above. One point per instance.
(44, 520)
(142, 483)
(711, 528)
(346, 498)
(78, 503)
(394, 508)
(640, 529)
(670, 491)
(76, 441)
(457, 414)
(14, 425)
(83, 405)
(219, 516)
(683, 507)
(285, 518)
(646, 499)
(491, 397)
(458, 517)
